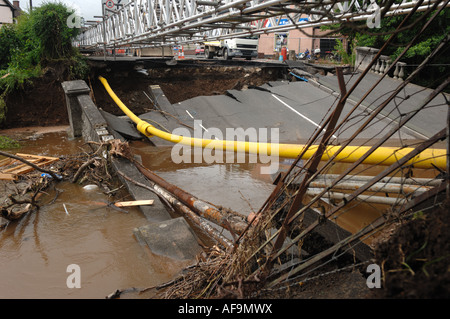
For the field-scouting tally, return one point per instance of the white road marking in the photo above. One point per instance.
(203, 127)
(189, 114)
(300, 114)
(200, 124)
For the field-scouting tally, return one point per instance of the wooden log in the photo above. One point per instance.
(11, 169)
(28, 169)
(37, 156)
(6, 161)
(25, 168)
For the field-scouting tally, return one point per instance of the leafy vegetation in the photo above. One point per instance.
(8, 41)
(8, 143)
(39, 39)
(55, 37)
(425, 44)
(347, 57)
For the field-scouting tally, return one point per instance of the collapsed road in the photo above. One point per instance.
(295, 108)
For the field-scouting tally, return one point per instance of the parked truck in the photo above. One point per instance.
(243, 47)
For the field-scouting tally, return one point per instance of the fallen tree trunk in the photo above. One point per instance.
(232, 222)
(167, 197)
(205, 210)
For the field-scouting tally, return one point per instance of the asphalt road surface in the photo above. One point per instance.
(296, 109)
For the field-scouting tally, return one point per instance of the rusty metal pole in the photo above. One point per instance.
(282, 232)
(204, 209)
(310, 171)
(424, 145)
(172, 200)
(273, 196)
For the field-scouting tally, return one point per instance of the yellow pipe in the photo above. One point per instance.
(350, 154)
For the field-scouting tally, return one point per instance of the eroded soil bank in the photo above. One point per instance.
(415, 260)
(41, 102)
(177, 83)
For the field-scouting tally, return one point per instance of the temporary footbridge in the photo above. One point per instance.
(157, 23)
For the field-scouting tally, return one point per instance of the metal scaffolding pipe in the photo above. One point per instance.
(387, 179)
(202, 208)
(170, 198)
(363, 198)
(377, 187)
(146, 23)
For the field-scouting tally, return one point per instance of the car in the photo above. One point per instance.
(199, 50)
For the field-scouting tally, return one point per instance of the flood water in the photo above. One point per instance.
(242, 187)
(238, 186)
(36, 251)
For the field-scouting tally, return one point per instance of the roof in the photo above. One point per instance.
(9, 4)
(16, 10)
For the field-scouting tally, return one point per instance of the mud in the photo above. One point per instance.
(40, 102)
(72, 225)
(416, 258)
(178, 84)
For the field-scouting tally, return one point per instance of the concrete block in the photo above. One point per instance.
(364, 55)
(171, 238)
(122, 126)
(93, 127)
(72, 90)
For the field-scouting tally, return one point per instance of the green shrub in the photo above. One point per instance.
(38, 38)
(346, 58)
(8, 42)
(49, 23)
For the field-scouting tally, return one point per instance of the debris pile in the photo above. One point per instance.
(25, 178)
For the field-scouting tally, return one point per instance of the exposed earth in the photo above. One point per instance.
(42, 102)
(416, 259)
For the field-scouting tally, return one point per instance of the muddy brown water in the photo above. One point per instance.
(36, 251)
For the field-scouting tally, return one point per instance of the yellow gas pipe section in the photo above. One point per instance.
(350, 154)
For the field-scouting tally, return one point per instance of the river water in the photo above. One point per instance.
(36, 251)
